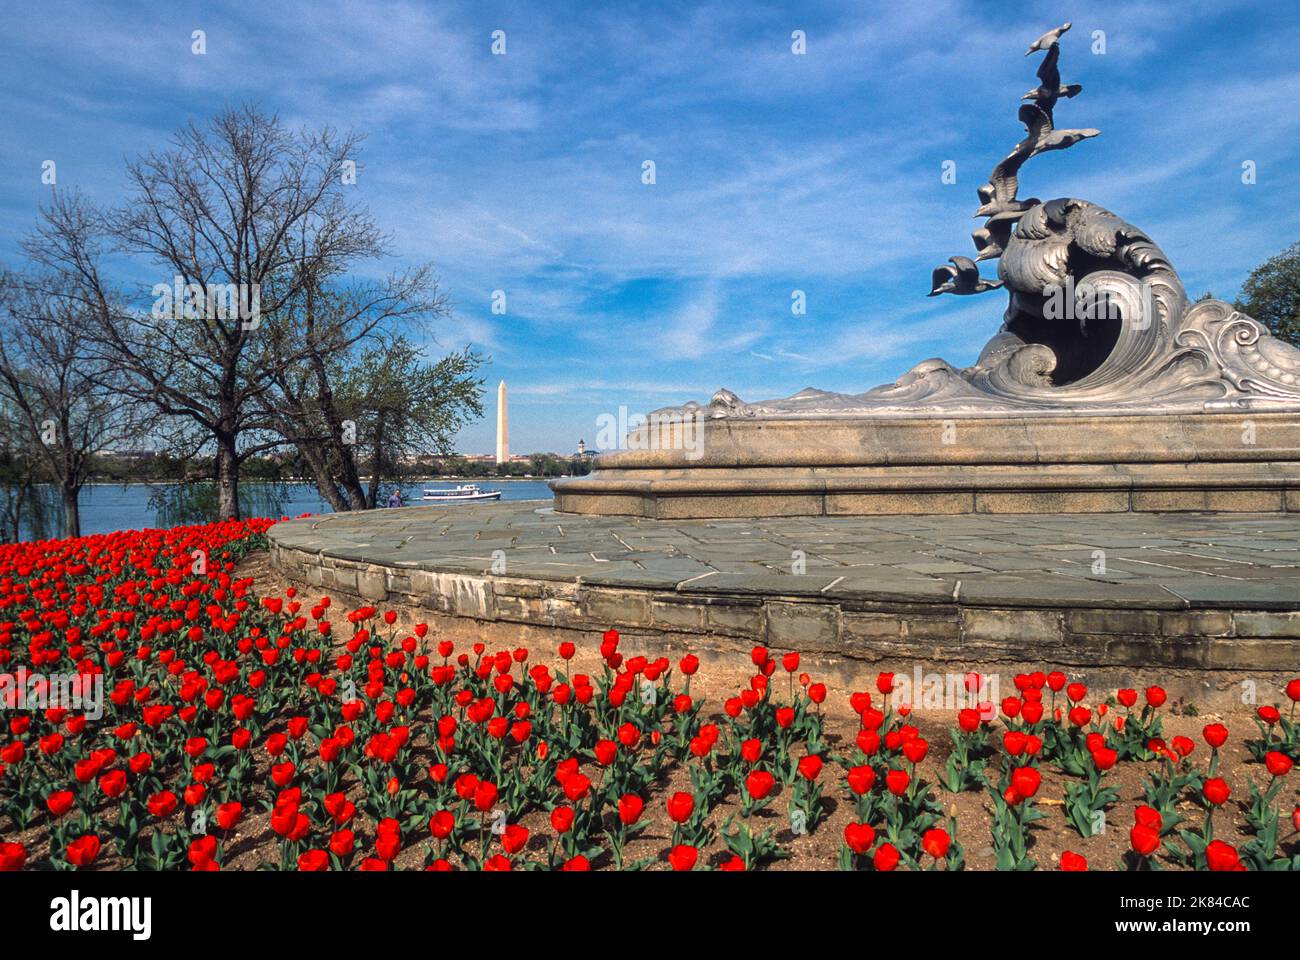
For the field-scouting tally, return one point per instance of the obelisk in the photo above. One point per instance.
(503, 426)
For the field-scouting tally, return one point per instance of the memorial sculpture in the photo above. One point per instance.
(1104, 390)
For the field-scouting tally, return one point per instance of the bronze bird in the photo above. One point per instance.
(1050, 89)
(1049, 38)
(963, 277)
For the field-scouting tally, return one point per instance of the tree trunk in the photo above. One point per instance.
(349, 479)
(324, 482)
(227, 478)
(376, 463)
(71, 511)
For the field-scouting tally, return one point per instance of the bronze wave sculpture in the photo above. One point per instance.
(1103, 390)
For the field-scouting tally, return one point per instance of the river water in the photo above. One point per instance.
(109, 507)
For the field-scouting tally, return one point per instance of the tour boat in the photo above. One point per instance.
(464, 493)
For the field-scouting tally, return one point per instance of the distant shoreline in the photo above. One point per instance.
(311, 483)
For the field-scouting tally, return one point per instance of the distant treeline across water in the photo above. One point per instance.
(108, 507)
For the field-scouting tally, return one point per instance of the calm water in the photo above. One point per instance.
(109, 507)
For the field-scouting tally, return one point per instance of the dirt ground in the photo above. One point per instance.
(721, 675)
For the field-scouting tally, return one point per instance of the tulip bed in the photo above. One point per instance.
(272, 731)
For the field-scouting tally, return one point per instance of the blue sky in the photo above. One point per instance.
(775, 172)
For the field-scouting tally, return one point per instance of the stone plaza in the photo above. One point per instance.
(1197, 601)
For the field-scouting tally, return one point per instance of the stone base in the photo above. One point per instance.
(1196, 602)
(1245, 462)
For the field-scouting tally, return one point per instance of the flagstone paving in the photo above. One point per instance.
(1207, 605)
(1166, 561)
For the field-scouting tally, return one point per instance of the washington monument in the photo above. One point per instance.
(503, 426)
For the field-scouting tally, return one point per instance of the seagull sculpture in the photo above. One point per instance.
(1049, 38)
(999, 194)
(998, 201)
(1049, 88)
(962, 277)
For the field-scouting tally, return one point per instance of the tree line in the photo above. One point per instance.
(230, 305)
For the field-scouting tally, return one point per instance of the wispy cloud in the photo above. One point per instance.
(774, 172)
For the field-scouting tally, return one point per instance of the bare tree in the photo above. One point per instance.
(61, 401)
(238, 218)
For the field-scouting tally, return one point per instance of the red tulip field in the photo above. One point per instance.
(245, 725)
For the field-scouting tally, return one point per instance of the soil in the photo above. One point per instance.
(253, 844)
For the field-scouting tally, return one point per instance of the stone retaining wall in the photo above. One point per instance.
(1204, 654)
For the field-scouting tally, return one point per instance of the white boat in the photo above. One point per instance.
(464, 493)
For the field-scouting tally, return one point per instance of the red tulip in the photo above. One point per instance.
(1104, 758)
(1278, 764)
(680, 807)
(759, 783)
(683, 857)
(1216, 734)
(915, 750)
(12, 857)
(860, 779)
(1216, 791)
(313, 860)
(935, 842)
(576, 787)
(60, 802)
(514, 838)
(202, 850)
(1025, 781)
(897, 781)
(1220, 856)
(1144, 839)
(441, 824)
(1149, 817)
(886, 857)
(342, 843)
(1073, 862)
(630, 807)
(82, 851)
(859, 837)
(228, 815)
(162, 804)
(810, 766)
